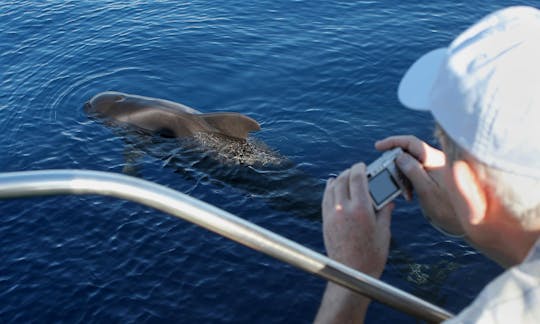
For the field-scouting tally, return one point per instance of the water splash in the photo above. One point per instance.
(227, 150)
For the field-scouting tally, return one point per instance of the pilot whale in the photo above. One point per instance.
(223, 136)
(197, 145)
(167, 118)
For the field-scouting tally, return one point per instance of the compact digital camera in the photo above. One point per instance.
(385, 181)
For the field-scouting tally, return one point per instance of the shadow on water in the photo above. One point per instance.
(426, 277)
(248, 164)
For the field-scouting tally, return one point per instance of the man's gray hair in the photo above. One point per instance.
(520, 195)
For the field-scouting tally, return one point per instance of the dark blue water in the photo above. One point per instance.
(319, 76)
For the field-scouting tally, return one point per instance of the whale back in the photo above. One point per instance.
(166, 117)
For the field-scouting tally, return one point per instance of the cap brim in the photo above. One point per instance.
(415, 86)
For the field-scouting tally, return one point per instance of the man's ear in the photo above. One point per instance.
(472, 192)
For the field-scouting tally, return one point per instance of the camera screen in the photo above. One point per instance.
(382, 186)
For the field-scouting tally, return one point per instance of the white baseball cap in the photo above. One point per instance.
(484, 89)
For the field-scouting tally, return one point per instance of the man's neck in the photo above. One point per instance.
(503, 239)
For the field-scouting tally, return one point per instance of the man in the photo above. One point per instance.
(484, 93)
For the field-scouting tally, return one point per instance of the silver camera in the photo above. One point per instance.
(385, 181)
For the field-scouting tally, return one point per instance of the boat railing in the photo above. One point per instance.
(82, 182)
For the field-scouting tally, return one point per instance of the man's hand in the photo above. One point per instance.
(353, 235)
(424, 166)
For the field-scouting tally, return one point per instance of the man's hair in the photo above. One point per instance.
(518, 194)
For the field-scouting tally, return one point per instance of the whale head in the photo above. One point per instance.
(103, 102)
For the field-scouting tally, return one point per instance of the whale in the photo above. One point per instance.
(167, 118)
(147, 122)
(199, 146)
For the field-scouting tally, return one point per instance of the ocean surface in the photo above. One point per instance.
(321, 79)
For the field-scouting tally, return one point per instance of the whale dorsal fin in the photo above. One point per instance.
(231, 124)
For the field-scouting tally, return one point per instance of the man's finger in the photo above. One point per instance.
(429, 156)
(358, 184)
(384, 216)
(341, 187)
(409, 143)
(414, 171)
(328, 197)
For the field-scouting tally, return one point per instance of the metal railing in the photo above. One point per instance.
(79, 182)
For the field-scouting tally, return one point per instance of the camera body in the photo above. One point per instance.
(385, 181)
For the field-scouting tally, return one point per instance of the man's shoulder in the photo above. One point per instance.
(514, 296)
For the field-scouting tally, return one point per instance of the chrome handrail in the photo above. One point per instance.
(79, 182)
